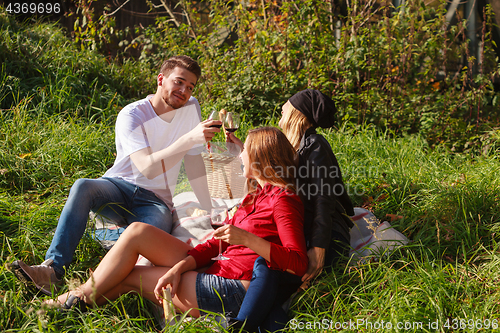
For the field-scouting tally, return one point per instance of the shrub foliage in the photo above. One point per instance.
(406, 70)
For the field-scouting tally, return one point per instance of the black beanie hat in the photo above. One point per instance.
(316, 106)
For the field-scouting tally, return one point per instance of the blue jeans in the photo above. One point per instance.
(113, 198)
(269, 289)
(219, 295)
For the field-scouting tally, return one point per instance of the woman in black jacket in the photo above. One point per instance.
(326, 203)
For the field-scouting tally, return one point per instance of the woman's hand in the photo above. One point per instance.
(234, 235)
(316, 257)
(172, 278)
(230, 137)
(236, 146)
(237, 236)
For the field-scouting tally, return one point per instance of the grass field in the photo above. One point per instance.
(56, 125)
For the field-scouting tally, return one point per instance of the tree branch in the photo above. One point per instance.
(117, 9)
(167, 8)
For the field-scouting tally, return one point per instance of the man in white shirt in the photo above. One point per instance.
(153, 135)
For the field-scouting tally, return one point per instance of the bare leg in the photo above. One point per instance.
(159, 247)
(143, 280)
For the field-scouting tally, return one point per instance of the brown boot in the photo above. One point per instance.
(39, 278)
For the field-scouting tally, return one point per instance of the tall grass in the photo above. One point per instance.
(58, 106)
(450, 209)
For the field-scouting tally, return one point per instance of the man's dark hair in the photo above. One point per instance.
(181, 61)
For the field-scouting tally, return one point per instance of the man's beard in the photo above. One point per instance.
(174, 105)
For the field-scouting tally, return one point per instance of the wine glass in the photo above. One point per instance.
(215, 115)
(218, 218)
(231, 122)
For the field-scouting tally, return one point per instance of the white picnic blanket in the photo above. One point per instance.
(370, 238)
(190, 223)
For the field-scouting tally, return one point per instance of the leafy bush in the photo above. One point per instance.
(40, 64)
(57, 107)
(400, 70)
(387, 72)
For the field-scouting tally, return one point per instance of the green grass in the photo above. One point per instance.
(58, 106)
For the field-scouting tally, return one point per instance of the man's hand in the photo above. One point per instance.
(152, 164)
(203, 132)
(316, 257)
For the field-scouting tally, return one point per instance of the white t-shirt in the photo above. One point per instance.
(138, 127)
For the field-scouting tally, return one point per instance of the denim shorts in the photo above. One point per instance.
(219, 295)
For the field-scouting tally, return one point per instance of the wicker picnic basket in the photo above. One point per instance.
(224, 176)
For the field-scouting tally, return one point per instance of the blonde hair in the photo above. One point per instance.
(271, 157)
(295, 125)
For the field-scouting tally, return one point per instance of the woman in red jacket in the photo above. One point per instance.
(269, 223)
(327, 208)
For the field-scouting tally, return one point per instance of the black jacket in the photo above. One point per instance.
(327, 206)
